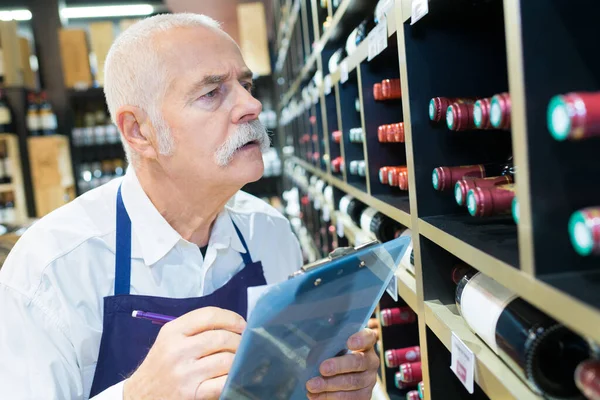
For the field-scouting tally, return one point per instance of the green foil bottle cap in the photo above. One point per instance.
(495, 113)
(432, 109)
(458, 194)
(435, 179)
(515, 210)
(471, 203)
(581, 234)
(449, 118)
(559, 121)
(477, 114)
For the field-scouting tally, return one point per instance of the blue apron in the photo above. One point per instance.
(125, 340)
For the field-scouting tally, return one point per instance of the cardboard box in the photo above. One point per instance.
(101, 38)
(75, 53)
(254, 42)
(11, 54)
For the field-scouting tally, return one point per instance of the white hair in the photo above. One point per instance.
(135, 75)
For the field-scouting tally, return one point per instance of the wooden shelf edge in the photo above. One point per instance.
(394, 213)
(564, 308)
(289, 27)
(7, 187)
(407, 288)
(491, 373)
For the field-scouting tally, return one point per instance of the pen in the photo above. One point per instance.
(158, 319)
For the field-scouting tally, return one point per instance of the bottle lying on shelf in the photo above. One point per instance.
(396, 357)
(391, 133)
(584, 231)
(337, 164)
(410, 373)
(396, 175)
(402, 385)
(412, 395)
(378, 92)
(574, 116)
(397, 316)
(438, 106)
(362, 169)
(383, 227)
(357, 167)
(390, 89)
(462, 187)
(352, 207)
(421, 389)
(488, 201)
(356, 135)
(538, 349)
(481, 114)
(459, 116)
(587, 379)
(445, 178)
(500, 110)
(336, 136)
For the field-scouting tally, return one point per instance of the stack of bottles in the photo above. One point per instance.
(41, 120)
(92, 175)
(5, 115)
(394, 176)
(576, 116)
(388, 89)
(542, 352)
(383, 227)
(391, 133)
(358, 168)
(485, 189)
(463, 114)
(93, 127)
(356, 135)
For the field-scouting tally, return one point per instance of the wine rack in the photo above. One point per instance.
(460, 49)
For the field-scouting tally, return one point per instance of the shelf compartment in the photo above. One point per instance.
(491, 374)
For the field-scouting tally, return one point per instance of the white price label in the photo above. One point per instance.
(344, 71)
(340, 228)
(383, 7)
(378, 39)
(328, 85)
(420, 8)
(463, 363)
(392, 288)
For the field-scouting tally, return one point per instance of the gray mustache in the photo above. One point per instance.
(247, 132)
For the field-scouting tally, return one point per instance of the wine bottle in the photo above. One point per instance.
(337, 164)
(574, 116)
(378, 91)
(403, 180)
(353, 167)
(459, 272)
(397, 316)
(421, 388)
(383, 227)
(393, 175)
(439, 105)
(401, 385)
(395, 133)
(356, 135)
(500, 111)
(390, 89)
(587, 379)
(396, 357)
(362, 168)
(463, 186)
(33, 120)
(481, 113)
(412, 395)
(352, 207)
(538, 349)
(336, 136)
(411, 372)
(584, 231)
(48, 123)
(382, 133)
(485, 202)
(459, 117)
(445, 178)
(515, 210)
(5, 116)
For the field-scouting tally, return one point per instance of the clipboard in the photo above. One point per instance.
(299, 323)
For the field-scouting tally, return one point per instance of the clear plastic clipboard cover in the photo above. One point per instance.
(301, 322)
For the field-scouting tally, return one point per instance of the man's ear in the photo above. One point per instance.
(137, 130)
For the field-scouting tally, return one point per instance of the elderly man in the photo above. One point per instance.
(175, 236)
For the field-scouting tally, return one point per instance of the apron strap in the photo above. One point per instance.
(245, 256)
(123, 249)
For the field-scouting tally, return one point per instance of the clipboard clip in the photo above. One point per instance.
(337, 253)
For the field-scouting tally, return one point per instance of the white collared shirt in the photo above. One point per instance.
(53, 282)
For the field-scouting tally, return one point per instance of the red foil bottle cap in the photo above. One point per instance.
(396, 357)
(397, 316)
(481, 114)
(459, 117)
(398, 382)
(393, 177)
(483, 202)
(316, 156)
(411, 372)
(382, 133)
(412, 395)
(390, 133)
(500, 109)
(337, 136)
(399, 132)
(445, 178)
(403, 180)
(383, 175)
(313, 119)
(391, 89)
(315, 138)
(587, 379)
(464, 185)
(377, 91)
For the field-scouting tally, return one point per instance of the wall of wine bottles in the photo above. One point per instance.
(476, 128)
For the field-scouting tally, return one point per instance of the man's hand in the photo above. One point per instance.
(190, 359)
(351, 376)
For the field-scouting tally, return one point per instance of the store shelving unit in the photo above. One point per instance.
(476, 49)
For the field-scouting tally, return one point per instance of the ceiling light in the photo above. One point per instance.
(17, 15)
(107, 11)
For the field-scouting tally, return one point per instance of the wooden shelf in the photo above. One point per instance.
(392, 212)
(6, 187)
(407, 288)
(491, 373)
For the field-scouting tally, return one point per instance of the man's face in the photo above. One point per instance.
(209, 109)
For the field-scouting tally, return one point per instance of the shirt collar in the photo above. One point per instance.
(154, 236)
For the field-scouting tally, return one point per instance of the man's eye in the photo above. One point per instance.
(248, 87)
(212, 94)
